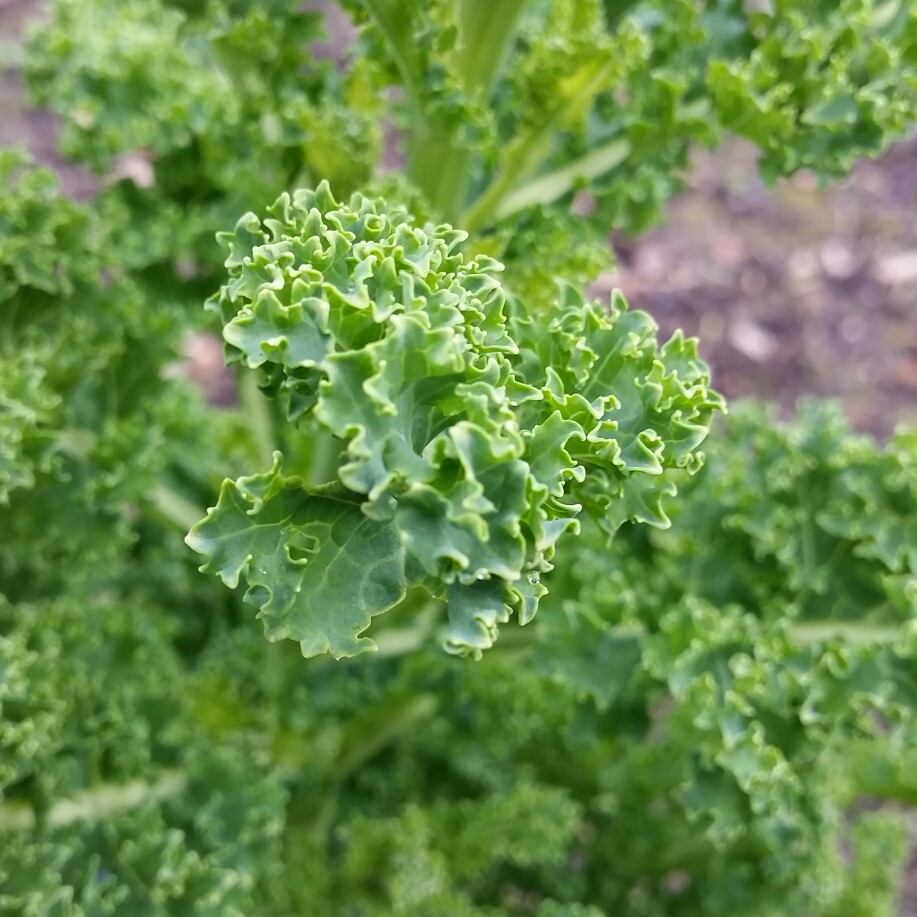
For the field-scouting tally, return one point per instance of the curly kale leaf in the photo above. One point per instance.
(470, 435)
(318, 567)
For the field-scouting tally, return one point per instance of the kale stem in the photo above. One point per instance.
(390, 22)
(440, 158)
(852, 632)
(175, 508)
(257, 412)
(487, 28)
(390, 726)
(98, 802)
(546, 189)
(532, 145)
(326, 451)
(400, 641)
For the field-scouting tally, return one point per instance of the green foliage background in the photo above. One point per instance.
(701, 718)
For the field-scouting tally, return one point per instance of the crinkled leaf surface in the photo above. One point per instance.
(317, 568)
(471, 434)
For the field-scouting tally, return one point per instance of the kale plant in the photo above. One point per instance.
(436, 432)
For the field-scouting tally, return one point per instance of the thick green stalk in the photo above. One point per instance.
(440, 167)
(440, 161)
(486, 28)
(257, 412)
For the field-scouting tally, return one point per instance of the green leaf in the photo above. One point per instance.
(470, 434)
(317, 568)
